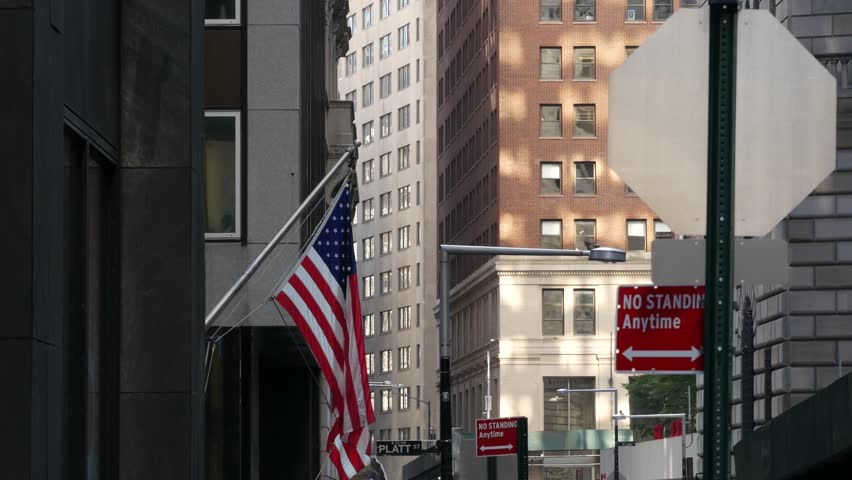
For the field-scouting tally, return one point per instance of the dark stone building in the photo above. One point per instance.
(103, 287)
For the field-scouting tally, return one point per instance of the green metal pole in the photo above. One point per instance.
(523, 450)
(720, 236)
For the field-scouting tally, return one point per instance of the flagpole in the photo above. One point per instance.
(351, 152)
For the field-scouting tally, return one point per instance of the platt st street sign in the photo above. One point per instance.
(496, 436)
(660, 329)
(406, 448)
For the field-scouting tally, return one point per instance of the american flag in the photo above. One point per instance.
(321, 295)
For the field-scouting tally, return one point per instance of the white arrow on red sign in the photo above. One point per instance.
(496, 447)
(692, 354)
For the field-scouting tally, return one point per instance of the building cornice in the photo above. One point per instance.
(574, 273)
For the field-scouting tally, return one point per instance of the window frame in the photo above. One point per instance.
(541, 10)
(385, 327)
(368, 241)
(403, 277)
(541, 64)
(404, 197)
(386, 200)
(636, 7)
(371, 280)
(560, 321)
(238, 174)
(369, 320)
(403, 117)
(407, 364)
(354, 64)
(385, 282)
(385, 41)
(579, 66)
(370, 361)
(644, 224)
(387, 401)
(577, 110)
(542, 178)
(372, 209)
(385, 92)
(403, 237)
(385, 243)
(542, 121)
(654, 6)
(554, 221)
(403, 73)
(577, 178)
(237, 20)
(405, 393)
(382, 171)
(594, 320)
(382, 13)
(385, 133)
(403, 32)
(403, 153)
(365, 17)
(594, 225)
(368, 139)
(403, 317)
(364, 57)
(366, 88)
(577, 6)
(367, 173)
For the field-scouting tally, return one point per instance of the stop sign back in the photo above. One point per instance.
(660, 329)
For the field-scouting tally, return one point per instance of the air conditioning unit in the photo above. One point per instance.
(631, 15)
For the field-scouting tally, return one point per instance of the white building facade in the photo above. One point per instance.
(385, 76)
(549, 325)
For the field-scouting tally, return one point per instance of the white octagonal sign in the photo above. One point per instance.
(785, 122)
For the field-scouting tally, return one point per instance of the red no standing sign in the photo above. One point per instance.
(496, 436)
(660, 329)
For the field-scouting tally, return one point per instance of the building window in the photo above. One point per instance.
(584, 178)
(584, 63)
(385, 321)
(403, 77)
(404, 274)
(367, 171)
(417, 114)
(418, 274)
(369, 209)
(404, 393)
(417, 153)
(662, 10)
(367, 132)
(367, 95)
(386, 242)
(373, 400)
(564, 410)
(635, 11)
(551, 234)
(385, 8)
(636, 235)
(404, 197)
(367, 17)
(223, 170)
(385, 125)
(552, 312)
(584, 234)
(584, 311)
(351, 63)
(403, 36)
(370, 361)
(385, 434)
(222, 12)
(369, 282)
(385, 204)
(369, 325)
(404, 237)
(418, 192)
(417, 70)
(385, 282)
(551, 178)
(387, 405)
(404, 358)
(387, 361)
(385, 164)
(405, 432)
(352, 23)
(417, 357)
(385, 86)
(352, 97)
(584, 11)
(386, 46)
(690, 3)
(404, 117)
(584, 121)
(403, 4)
(417, 30)
(367, 55)
(629, 50)
(404, 314)
(551, 121)
(662, 231)
(550, 63)
(403, 157)
(369, 247)
(550, 11)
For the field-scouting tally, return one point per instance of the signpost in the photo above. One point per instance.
(396, 448)
(660, 329)
(504, 436)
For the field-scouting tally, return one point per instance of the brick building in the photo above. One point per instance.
(522, 135)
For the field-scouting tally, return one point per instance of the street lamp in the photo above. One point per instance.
(600, 254)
